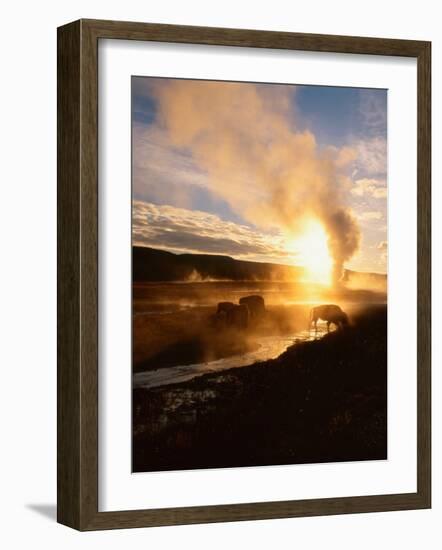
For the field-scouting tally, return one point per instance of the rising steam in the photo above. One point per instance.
(274, 175)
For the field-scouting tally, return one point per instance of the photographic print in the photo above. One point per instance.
(259, 274)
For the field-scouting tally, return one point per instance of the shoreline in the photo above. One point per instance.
(259, 350)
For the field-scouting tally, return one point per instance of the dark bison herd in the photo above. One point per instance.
(249, 309)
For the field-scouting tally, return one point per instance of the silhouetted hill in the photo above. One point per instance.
(150, 264)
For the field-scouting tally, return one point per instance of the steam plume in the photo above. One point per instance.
(274, 175)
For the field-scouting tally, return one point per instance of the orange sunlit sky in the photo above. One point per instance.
(261, 172)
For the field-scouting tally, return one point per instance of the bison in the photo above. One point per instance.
(330, 313)
(255, 305)
(238, 316)
(224, 307)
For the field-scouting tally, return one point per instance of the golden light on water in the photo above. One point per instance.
(311, 250)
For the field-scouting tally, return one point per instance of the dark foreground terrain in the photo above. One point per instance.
(320, 401)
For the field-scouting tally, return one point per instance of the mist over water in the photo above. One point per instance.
(174, 341)
(269, 347)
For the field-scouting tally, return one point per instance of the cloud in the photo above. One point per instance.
(161, 171)
(383, 247)
(371, 157)
(171, 228)
(242, 137)
(370, 215)
(369, 187)
(345, 156)
(373, 111)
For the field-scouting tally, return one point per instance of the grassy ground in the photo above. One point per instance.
(318, 402)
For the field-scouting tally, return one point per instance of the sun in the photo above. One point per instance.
(311, 251)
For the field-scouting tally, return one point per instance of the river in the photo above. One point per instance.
(269, 347)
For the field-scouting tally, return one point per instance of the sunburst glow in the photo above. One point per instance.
(311, 251)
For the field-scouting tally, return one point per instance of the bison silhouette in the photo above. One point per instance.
(238, 316)
(224, 307)
(255, 305)
(330, 313)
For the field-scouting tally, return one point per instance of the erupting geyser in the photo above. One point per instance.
(241, 134)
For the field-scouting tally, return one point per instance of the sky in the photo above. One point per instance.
(240, 169)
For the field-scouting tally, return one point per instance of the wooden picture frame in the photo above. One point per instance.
(78, 274)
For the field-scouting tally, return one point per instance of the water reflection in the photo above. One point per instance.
(269, 347)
